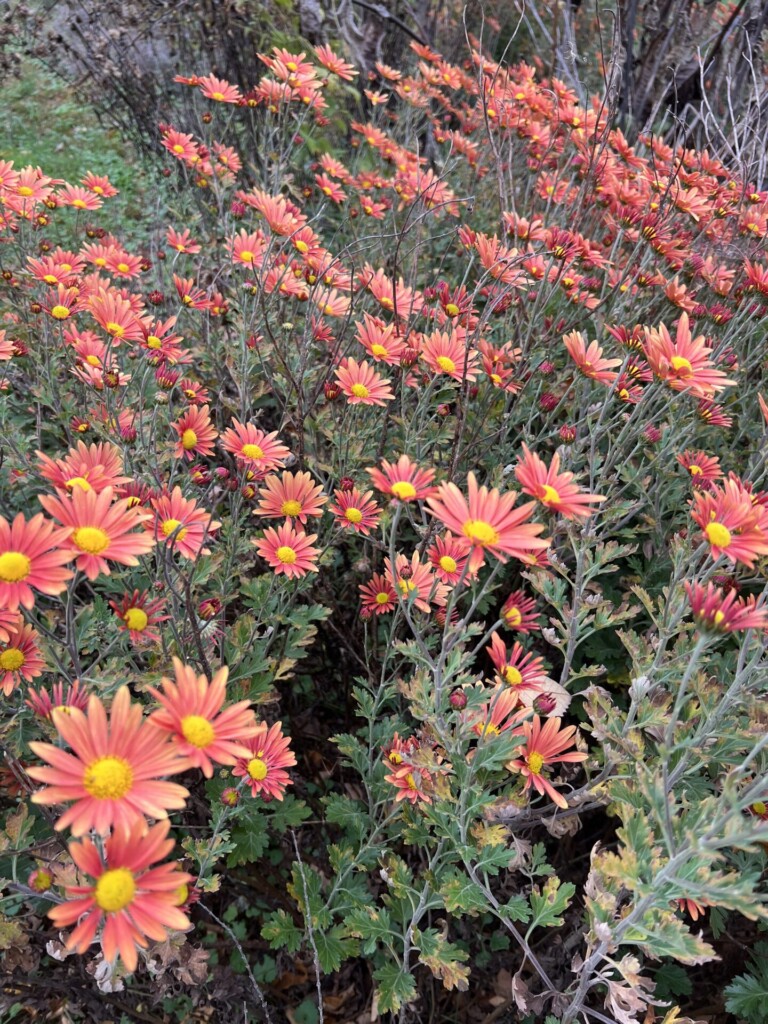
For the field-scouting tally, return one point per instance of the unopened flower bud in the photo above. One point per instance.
(346, 483)
(230, 797)
(332, 390)
(567, 434)
(458, 700)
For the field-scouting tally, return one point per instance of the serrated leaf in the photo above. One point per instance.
(281, 933)
(250, 844)
(394, 988)
(549, 902)
(333, 947)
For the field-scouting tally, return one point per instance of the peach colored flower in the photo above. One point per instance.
(590, 359)
(200, 727)
(196, 433)
(487, 521)
(553, 489)
(133, 901)
(684, 363)
(89, 468)
(254, 447)
(291, 495)
(269, 754)
(102, 530)
(361, 384)
(113, 773)
(543, 746)
(182, 524)
(19, 657)
(288, 551)
(32, 557)
(404, 480)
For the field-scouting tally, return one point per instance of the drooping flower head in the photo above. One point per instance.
(201, 728)
(133, 901)
(589, 359)
(114, 772)
(555, 490)
(519, 612)
(487, 521)
(703, 469)
(722, 612)
(32, 557)
(102, 529)
(515, 667)
(43, 703)
(269, 754)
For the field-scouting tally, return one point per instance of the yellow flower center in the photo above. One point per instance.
(480, 533)
(60, 312)
(535, 763)
(491, 730)
(446, 365)
(123, 268)
(359, 390)
(91, 539)
(406, 587)
(378, 350)
(695, 470)
(718, 535)
(12, 659)
(78, 481)
(257, 768)
(252, 451)
(14, 566)
(188, 439)
(395, 757)
(286, 555)
(410, 780)
(24, 190)
(448, 564)
(291, 507)
(197, 730)
(154, 342)
(172, 524)
(93, 360)
(178, 148)
(115, 890)
(511, 675)
(181, 895)
(217, 96)
(353, 515)
(513, 617)
(108, 778)
(680, 364)
(404, 490)
(548, 495)
(136, 619)
(719, 617)
(301, 246)
(452, 309)
(382, 597)
(246, 255)
(116, 330)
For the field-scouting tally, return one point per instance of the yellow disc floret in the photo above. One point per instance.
(404, 490)
(286, 555)
(251, 451)
(480, 533)
(136, 619)
(14, 567)
(535, 763)
(115, 890)
(718, 535)
(108, 778)
(257, 769)
(197, 730)
(291, 507)
(12, 659)
(91, 539)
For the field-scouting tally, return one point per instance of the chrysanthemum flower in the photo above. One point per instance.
(404, 480)
(448, 555)
(515, 667)
(102, 530)
(703, 469)
(731, 522)
(9, 618)
(288, 551)
(291, 495)
(723, 612)
(19, 657)
(138, 614)
(32, 557)
(497, 715)
(196, 433)
(446, 353)
(416, 582)
(380, 340)
(114, 773)
(684, 363)
(254, 447)
(553, 489)
(361, 384)
(43, 704)
(181, 523)
(519, 612)
(544, 746)
(133, 901)
(378, 595)
(412, 784)
(590, 360)
(89, 468)
(219, 89)
(115, 315)
(335, 64)
(355, 510)
(264, 768)
(201, 729)
(488, 521)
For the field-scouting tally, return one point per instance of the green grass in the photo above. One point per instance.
(47, 124)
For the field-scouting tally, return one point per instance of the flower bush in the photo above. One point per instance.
(402, 533)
